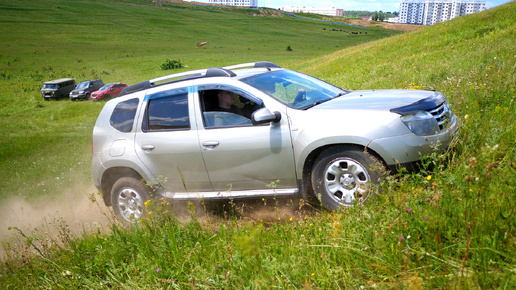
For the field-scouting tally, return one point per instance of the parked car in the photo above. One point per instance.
(315, 138)
(84, 89)
(108, 91)
(57, 89)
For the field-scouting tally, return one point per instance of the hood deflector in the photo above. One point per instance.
(421, 105)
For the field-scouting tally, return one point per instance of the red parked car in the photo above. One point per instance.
(108, 91)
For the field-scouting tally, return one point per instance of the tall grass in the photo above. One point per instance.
(450, 226)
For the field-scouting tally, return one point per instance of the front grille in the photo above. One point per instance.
(442, 115)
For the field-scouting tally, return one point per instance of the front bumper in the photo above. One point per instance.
(407, 150)
(78, 96)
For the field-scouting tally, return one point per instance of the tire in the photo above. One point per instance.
(345, 175)
(128, 198)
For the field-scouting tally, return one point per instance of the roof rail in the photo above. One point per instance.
(195, 74)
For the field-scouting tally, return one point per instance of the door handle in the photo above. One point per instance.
(209, 145)
(148, 147)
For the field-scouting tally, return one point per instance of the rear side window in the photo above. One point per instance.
(167, 111)
(123, 115)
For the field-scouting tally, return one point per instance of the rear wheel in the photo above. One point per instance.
(345, 175)
(128, 198)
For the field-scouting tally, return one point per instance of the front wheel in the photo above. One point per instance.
(345, 175)
(128, 198)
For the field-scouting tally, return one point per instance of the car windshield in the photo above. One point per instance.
(50, 86)
(82, 85)
(296, 90)
(105, 88)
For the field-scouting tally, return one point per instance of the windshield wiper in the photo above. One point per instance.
(341, 94)
(315, 104)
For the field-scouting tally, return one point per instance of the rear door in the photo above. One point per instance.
(167, 141)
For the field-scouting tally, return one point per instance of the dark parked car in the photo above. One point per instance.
(108, 91)
(84, 89)
(57, 89)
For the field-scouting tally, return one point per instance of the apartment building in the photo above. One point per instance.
(429, 12)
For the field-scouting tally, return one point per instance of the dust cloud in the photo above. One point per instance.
(78, 211)
(81, 211)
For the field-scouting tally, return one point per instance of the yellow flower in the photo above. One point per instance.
(149, 213)
(147, 203)
(466, 117)
(290, 219)
(313, 274)
(429, 177)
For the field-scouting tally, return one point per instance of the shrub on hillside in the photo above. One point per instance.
(168, 64)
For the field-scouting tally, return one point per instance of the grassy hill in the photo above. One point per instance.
(450, 227)
(44, 147)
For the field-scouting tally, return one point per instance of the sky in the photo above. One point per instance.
(367, 5)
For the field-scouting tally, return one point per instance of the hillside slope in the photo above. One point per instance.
(45, 145)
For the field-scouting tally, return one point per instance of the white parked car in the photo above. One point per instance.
(232, 131)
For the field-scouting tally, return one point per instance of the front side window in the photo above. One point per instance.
(123, 115)
(167, 111)
(225, 106)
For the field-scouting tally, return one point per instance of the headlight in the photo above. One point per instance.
(421, 124)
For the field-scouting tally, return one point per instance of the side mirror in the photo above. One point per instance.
(263, 116)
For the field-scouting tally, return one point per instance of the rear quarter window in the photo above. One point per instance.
(123, 115)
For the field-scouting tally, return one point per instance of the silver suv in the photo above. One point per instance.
(232, 132)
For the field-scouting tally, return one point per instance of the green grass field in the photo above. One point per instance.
(449, 227)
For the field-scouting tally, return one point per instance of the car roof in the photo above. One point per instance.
(235, 71)
(59, 81)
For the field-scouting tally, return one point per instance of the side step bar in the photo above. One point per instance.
(230, 194)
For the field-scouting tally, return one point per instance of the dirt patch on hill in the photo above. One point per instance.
(385, 25)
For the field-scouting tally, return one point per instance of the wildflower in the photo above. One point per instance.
(466, 117)
(429, 177)
(290, 219)
(401, 239)
(268, 229)
(408, 210)
(313, 274)
(216, 230)
(149, 213)
(158, 270)
(426, 218)
(218, 265)
(147, 203)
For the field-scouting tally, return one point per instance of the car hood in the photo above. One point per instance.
(382, 100)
